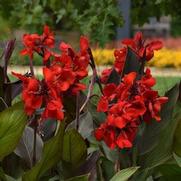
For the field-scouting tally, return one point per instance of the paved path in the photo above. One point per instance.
(166, 72)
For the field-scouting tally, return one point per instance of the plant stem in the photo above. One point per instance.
(93, 66)
(77, 111)
(34, 145)
(31, 67)
(94, 79)
(90, 89)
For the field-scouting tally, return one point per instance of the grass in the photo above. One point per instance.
(163, 84)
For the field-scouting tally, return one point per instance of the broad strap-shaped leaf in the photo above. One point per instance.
(51, 155)
(163, 150)
(79, 178)
(177, 135)
(13, 89)
(25, 147)
(98, 117)
(2, 175)
(124, 174)
(178, 159)
(89, 166)
(170, 172)
(85, 125)
(107, 168)
(74, 148)
(150, 136)
(12, 124)
(8, 50)
(1, 82)
(111, 155)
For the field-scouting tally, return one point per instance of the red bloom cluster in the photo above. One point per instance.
(38, 43)
(131, 102)
(142, 50)
(62, 73)
(137, 45)
(127, 105)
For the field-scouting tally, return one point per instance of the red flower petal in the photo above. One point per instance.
(102, 105)
(155, 45)
(84, 43)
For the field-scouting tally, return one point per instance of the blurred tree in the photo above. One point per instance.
(97, 18)
(143, 9)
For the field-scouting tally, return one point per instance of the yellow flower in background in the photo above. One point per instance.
(103, 56)
(162, 58)
(166, 58)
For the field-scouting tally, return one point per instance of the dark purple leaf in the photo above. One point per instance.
(132, 63)
(48, 128)
(90, 164)
(114, 77)
(25, 147)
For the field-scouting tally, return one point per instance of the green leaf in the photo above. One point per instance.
(170, 171)
(124, 174)
(74, 148)
(107, 168)
(12, 124)
(51, 155)
(177, 137)
(98, 117)
(79, 178)
(112, 155)
(178, 159)
(2, 175)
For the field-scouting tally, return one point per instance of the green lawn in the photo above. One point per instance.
(165, 83)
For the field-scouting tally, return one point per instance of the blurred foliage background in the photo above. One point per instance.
(98, 19)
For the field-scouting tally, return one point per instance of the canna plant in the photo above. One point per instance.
(62, 130)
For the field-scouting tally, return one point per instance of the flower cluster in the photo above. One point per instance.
(130, 102)
(62, 73)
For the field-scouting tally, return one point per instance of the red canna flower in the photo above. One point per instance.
(122, 141)
(105, 75)
(143, 51)
(47, 38)
(54, 110)
(147, 80)
(30, 42)
(125, 105)
(106, 133)
(84, 43)
(153, 103)
(120, 58)
(103, 104)
(59, 78)
(39, 44)
(108, 95)
(31, 93)
(36, 93)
